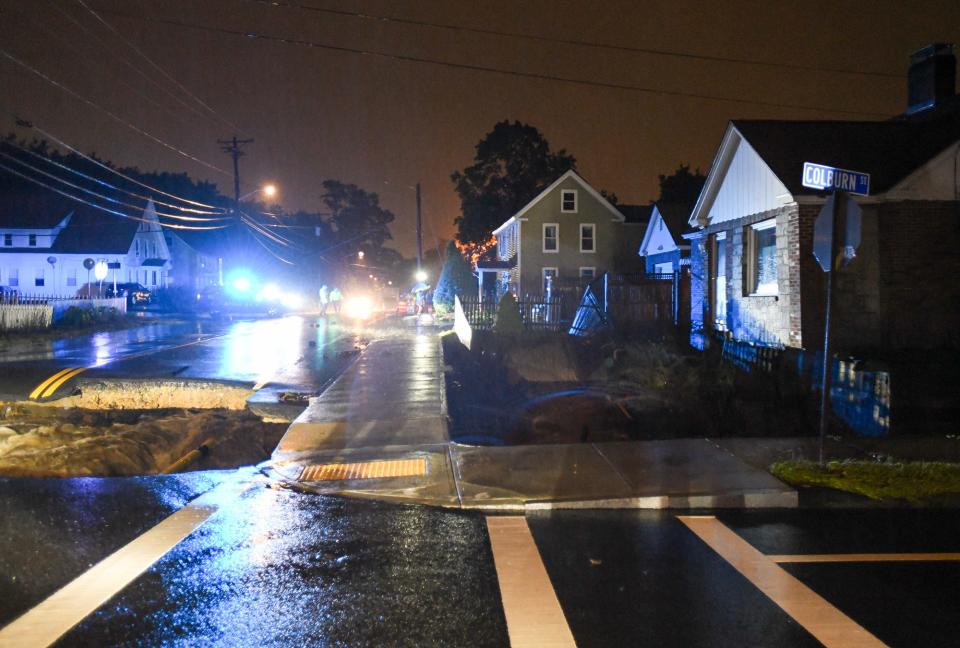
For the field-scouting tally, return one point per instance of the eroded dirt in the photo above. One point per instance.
(38, 441)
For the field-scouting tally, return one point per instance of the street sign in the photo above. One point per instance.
(823, 234)
(819, 176)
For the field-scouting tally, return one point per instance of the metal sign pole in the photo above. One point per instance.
(839, 201)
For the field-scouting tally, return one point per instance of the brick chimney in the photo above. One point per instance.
(932, 78)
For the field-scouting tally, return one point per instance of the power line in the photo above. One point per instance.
(495, 70)
(99, 195)
(115, 188)
(112, 115)
(56, 37)
(156, 66)
(575, 42)
(106, 209)
(106, 167)
(133, 67)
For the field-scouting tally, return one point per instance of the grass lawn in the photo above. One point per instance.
(915, 482)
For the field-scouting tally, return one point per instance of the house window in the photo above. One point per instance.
(153, 278)
(39, 279)
(549, 274)
(72, 277)
(33, 240)
(568, 201)
(8, 239)
(587, 274)
(762, 258)
(14, 276)
(551, 237)
(587, 231)
(136, 247)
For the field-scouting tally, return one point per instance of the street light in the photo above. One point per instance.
(100, 273)
(421, 275)
(268, 190)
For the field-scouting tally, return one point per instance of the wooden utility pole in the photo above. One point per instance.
(232, 146)
(419, 233)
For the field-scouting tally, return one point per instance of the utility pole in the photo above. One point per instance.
(419, 233)
(232, 146)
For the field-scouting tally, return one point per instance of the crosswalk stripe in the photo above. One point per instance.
(530, 605)
(50, 619)
(815, 614)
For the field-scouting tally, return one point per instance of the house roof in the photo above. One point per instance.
(553, 185)
(636, 214)
(675, 216)
(889, 151)
(34, 210)
(91, 231)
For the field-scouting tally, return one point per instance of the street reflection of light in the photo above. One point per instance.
(257, 349)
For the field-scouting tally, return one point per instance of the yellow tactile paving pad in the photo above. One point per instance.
(364, 470)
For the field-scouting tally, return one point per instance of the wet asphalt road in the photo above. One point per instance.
(279, 567)
(293, 353)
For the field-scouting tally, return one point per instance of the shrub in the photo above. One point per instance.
(456, 278)
(76, 316)
(508, 321)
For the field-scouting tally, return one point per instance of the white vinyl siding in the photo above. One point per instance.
(748, 186)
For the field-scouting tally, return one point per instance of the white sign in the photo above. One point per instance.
(819, 176)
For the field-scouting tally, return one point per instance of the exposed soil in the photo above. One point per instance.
(499, 392)
(38, 441)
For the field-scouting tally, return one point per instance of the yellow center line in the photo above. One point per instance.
(43, 385)
(62, 379)
(826, 623)
(877, 557)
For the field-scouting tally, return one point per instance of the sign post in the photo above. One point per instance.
(840, 215)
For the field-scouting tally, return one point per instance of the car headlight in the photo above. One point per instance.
(358, 307)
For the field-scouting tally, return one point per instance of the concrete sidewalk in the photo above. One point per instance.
(387, 413)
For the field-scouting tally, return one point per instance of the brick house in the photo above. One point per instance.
(567, 232)
(754, 274)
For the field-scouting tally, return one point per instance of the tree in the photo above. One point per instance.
(358, 220)
(513, 163)
(508, 321)
(456, 278)
(681, 187)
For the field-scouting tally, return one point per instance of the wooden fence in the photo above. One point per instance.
(628, 300)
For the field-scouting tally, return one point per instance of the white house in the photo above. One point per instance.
(662, 247)
(45, 240)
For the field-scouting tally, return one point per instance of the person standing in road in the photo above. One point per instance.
(335, 298)
(324, 299)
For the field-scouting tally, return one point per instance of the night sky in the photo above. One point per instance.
(385, 123)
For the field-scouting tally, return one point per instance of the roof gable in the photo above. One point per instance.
(740, 182)
(617, 216)
(666, 226)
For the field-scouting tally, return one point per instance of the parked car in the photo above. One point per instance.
(135, 293)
